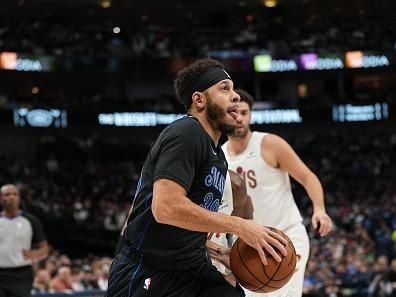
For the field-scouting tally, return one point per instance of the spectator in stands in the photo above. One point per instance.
(51, 266)
(385, 283)
(103, 276)
(42, 281)
(63, 281)
(390, 278)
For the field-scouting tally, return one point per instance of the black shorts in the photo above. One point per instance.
(131, 277)
(16, 282)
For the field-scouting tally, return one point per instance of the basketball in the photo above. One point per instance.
(252, 274)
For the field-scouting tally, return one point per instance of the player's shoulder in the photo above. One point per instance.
(269, 136)
(186, 122)
(272, 141)
(186, 127)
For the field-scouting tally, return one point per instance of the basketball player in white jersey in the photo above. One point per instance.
(265, 162)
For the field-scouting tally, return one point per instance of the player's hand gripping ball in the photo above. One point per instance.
(252, 274)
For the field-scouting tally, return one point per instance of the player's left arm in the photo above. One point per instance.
(287, 160)
(242, 205)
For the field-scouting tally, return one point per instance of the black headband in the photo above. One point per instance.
(205, 81)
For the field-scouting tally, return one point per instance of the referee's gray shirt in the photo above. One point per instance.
(16, 234)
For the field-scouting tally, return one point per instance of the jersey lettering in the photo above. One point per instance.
(215, 179)
(249, 176)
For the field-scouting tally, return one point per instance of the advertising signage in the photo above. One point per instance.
(359, 59)
(61, 119)
(321, 62)
(265, 63)
(234, 60)
(315, 62)
(20, 62)
(360, 113)
(152, 119)
(40, 118)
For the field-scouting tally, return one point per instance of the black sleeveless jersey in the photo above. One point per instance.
(186, 154)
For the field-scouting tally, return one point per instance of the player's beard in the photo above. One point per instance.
(215, 115)
(240, 134)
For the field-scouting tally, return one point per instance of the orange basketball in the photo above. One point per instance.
(252, 274)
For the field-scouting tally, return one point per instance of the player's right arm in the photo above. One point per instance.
(172, 206)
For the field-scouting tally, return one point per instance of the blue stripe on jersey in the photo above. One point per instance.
(133, 277)
(139, 184)
(148, 197)
(144, 232)
(117, 268)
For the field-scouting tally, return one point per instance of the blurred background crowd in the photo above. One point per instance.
(275, 33)
(83, 204)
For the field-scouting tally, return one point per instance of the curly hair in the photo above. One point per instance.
(186, 77)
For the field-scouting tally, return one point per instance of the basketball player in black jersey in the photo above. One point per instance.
(178, 195)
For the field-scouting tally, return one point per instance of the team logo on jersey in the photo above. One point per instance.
(147, 283)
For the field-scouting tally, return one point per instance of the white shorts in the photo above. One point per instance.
(299, 236)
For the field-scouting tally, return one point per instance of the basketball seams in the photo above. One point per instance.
(245, 282)
(271, 278)
(259, 274)
(247, 285)
(244, 264)
(290, 243)
(276, 271)
(259, 280)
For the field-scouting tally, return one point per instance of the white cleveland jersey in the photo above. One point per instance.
(268, 187)
(225, 207)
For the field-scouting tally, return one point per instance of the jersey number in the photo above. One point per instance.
(210, 203)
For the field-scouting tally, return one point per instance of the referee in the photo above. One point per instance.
(22, 243)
